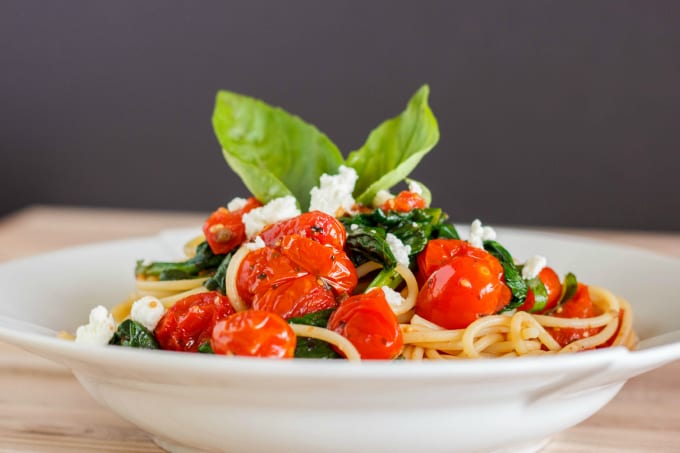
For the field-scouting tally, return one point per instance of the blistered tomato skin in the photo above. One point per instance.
(461, 291)
(369, 323)
(552, 284)
(315, 225)
(254, 333)
(189, 323)
(224, 229)
(295, 277)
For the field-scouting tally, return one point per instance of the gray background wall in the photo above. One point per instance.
(551, 113)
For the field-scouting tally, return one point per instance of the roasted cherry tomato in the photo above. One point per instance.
(284, 278)
(189, 323)
(405, 201)
(254, 333)
(552, 284)
(224, 229)
(462, 290)
(579, 306)
(316, 225)
(296, 297)
(369, 323)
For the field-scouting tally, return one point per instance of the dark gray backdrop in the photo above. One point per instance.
(551, 113)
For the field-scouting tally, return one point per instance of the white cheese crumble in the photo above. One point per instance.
(237, 204)
(533, 267)
(354, 227)
(147, 311)
(415, 187)
(399, 250)
(334, 193)
(255, 244)
(480, 233)
(276, 210)
(99, 330)
(392, 297)
(382, 197)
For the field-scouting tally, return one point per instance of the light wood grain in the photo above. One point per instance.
(44, 409)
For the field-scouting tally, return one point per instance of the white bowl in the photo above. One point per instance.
(193, 402)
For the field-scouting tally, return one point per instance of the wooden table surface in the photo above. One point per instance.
(44, 409)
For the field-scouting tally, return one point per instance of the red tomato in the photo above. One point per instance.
(332, 265)
(439, 252)
(369, 323)
(262, 269)
(284, 278)
(552, 284)
(579, 306)
(254, 333)
(316, 225)
(224, 229)
(295, 298)
(462, 290)
(189, 323)
(405, 201)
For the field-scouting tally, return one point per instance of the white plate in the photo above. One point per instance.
(194, 401)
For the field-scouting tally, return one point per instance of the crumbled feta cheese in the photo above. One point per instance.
(399, 250)
(237, 204)
(382, 197)
(392, 297)
(255, 244)
(533, 266)
(354, 227)
(99, 330)
(147, 311)
(480, 233)
(415, 187)
(334, 194)
(276, 210)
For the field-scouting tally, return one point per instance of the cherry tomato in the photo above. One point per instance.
(369, 323)
(316, 225)
(405, 201)
(254, 333)
(552, 284)
(262, 269)
(224, 229)
(462, 290)
(332, 265)
(296, 297)
(579, 306)
(439, 252)
(189, 323)
(283, 279)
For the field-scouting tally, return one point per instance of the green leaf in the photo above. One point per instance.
(203, 260)
(134, 335)
(569, 288)
(275, 153)
(205, 348)
(513, 277)
(318, 318)
(540, 294)
(394, 148)
(368, 244)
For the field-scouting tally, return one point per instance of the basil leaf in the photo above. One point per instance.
(540, 294)
(394, 148)
(513, 277)
(217, 281)
(569, 288)
(446, 231)
(134, 335)
(274, 152)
